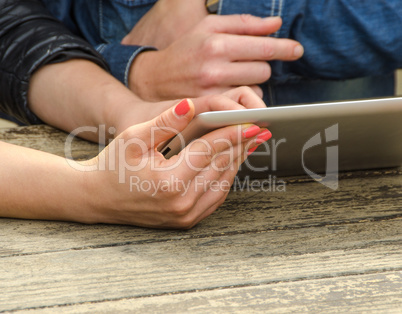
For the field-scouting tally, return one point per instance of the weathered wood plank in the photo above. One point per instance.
(148, 269)
(303, 205)
(257, 239)
(48, 139)
(374, 293)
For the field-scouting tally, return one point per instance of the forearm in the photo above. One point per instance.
(37, 185)
(79, 93)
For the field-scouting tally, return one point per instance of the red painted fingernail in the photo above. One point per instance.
(251, 150)
(182, 107)
(263, 137)
(251, 131)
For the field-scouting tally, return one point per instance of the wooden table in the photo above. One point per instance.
(307, 249)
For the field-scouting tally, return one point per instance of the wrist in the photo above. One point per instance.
(141, 75)
(74, 94)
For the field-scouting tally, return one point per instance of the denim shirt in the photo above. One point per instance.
(352, 48)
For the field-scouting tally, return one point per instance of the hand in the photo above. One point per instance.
(166, 22)
(135, 111)
(129, 182)
(220, 53)
(184, 190)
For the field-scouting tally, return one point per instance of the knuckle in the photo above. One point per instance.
(222, 162)
(244, 90)
(186, 223)
(164, 124)
(211, 152)
(245, 18)
(181, 207)
(266, 71)
(213, 46)
(268, 51)
(209, 76)
(206, 148)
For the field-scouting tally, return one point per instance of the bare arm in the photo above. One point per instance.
(79, 93)
(107, 189)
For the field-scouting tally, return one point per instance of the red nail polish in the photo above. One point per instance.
(251, 150)
(182, 108)
(251, 131)
(263, 137)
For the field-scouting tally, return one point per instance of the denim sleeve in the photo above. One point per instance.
(120, 57)
(342, 38)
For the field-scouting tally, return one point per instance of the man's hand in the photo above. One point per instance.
(219, 53)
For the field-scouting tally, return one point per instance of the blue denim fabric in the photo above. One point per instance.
(104, 23)
(343, 39)
(351, 47)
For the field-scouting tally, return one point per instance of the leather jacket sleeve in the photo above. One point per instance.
(29, 39)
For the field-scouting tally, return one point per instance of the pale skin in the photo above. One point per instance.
(79, 93)
(201, 54)
(37, 185)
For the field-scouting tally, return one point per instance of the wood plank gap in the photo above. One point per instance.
(193, 291)
(217, 235)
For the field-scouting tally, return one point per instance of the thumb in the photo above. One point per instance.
(170, 123)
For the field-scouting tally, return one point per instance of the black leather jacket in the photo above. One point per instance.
(29, 39)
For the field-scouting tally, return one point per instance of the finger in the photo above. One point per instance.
(200, 154)
(210, 188)
(244, 73)
(243, 24)
(249, 97)
(228, 178)
(204, 213)
(207, 192)
(249, 48)
(233, 156)
(223, 90)
(258, 90)
(209, 159)
(166, 125)
(218, 102)
(216, 194)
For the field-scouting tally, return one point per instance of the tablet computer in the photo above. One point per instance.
(312, 138)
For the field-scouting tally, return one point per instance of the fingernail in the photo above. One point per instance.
(251, 150)
(263, 137)
(182, 108)
(298, 51)
(251, 131)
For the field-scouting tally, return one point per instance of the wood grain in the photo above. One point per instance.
(147, 269)
(308, 248)
(373, 293)
(48, 139)
(379, 198)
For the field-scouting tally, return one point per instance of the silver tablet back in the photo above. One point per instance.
(316, 138)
